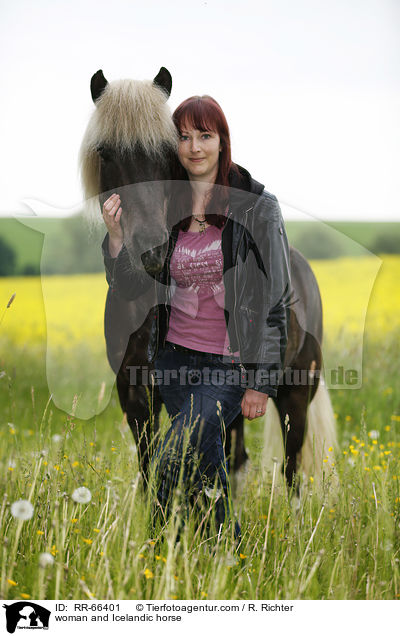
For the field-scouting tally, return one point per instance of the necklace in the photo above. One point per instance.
(202, 224)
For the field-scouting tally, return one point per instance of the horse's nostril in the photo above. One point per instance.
(153, 261)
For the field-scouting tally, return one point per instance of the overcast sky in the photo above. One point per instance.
(311, 90)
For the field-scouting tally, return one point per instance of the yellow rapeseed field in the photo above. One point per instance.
(356, 294)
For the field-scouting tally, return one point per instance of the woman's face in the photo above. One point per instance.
(199, 153)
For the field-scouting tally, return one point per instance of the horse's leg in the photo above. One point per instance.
(236, 454)
(292, 402)
(142, 420)
(235, 439)
(292, 406)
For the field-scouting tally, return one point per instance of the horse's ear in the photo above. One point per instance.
(97, 85)
(163, 80)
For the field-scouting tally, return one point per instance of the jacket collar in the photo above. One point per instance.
(244, 191)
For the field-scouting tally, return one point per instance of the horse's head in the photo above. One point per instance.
(130, 148)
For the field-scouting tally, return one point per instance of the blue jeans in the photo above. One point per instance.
(202, 394)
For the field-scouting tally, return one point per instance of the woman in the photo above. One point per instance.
(222, 330)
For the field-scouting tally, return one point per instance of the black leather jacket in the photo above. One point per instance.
(256, 277)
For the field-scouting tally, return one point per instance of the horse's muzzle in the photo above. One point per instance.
(153, 260)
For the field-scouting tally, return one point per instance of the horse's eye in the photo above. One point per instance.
(104, 153)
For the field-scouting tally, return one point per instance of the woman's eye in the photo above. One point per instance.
(206, 136)
(183, 137)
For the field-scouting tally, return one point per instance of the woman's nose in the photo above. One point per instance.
(194, 145)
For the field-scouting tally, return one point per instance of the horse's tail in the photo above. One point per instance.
(320, 441)
(316, 458)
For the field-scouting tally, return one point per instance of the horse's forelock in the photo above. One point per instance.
(128, 113)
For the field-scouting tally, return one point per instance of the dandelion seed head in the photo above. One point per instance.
(82, 495)
(56, 439)
(45, 558)
(22, 510)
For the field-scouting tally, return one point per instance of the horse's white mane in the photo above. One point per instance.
(128, 112)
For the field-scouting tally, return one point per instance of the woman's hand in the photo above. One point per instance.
(112, 212)
(254, 404)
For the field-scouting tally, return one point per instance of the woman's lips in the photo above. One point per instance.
(197, 159)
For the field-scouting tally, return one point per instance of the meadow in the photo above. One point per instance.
(342, 542)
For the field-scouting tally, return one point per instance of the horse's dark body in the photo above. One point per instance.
(127, 323)
(303, 353)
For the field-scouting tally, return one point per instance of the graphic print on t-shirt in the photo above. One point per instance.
(197, 318)
(196, 269)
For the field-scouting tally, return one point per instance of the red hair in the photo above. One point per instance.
(205, 114)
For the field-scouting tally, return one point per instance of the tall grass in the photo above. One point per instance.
(341, 543)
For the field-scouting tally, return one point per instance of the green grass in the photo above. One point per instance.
(341, 544)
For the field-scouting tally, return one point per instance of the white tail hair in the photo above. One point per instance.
(316, 458)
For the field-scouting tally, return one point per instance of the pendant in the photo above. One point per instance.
(202, 227)
(202, 224)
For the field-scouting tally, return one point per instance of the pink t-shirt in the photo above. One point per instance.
(197, 318)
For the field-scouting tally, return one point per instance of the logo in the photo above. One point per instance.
(26, 615)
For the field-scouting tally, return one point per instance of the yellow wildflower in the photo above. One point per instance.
(148, 574)
(88, 541)
(25, 595)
